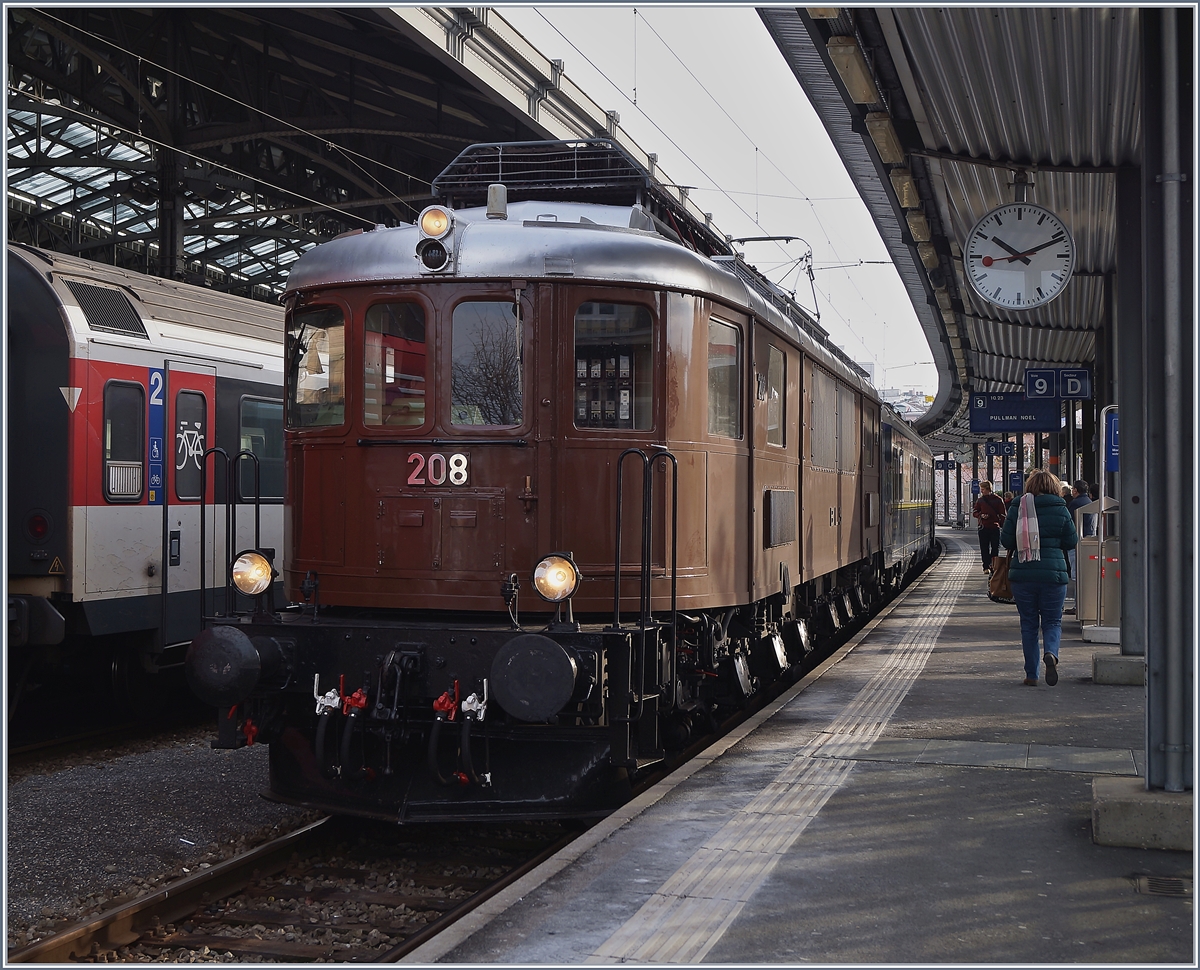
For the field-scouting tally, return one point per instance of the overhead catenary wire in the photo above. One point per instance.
(728, 195)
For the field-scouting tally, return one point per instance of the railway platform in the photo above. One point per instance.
(910, 801)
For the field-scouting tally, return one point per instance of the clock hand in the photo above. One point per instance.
(1030, 252)
(1016, 254)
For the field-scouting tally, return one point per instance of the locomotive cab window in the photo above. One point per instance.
(260, 429)
(724, 379)
(124, 429)
(486, 381)
(394, 365)
(613, 366)
(316, 368)
(776, 388)
(191, 427)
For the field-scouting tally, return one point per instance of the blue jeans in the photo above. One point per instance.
(1039, 602)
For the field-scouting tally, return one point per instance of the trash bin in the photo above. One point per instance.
(1098, 585)
(1089, 581)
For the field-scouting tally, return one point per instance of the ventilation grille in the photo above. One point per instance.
(780, 526)
(124, 479)
(107, 309)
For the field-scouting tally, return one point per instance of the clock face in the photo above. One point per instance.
(1019, 256)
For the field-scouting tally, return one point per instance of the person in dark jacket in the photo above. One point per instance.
(1039, 530)
(989, 510)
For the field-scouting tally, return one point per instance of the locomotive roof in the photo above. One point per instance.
(158, 299)
(563, 241)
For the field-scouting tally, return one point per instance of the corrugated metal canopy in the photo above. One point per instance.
(976, 95)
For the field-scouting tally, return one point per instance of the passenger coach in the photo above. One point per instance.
(117, 385)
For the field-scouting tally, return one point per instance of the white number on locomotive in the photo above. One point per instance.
(437, 469)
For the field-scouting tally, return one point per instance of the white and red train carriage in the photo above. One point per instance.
(118, 383)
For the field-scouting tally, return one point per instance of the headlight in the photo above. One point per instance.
(435, 222)
(251, 573)
(556, 578)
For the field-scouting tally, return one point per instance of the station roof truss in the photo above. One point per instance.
(217, 145)
(937, 113)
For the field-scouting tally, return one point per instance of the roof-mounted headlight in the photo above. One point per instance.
(556, 578)
(435, 222)
(435, 251)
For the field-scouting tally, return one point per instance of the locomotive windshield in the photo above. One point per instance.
(316, 368)
(613, 369)
(394, 365)
(486, 380)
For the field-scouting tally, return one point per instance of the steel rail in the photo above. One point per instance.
(124, 924)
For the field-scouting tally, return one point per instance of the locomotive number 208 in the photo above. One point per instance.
(437, 469)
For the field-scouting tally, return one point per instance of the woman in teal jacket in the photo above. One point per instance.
(1038, 571)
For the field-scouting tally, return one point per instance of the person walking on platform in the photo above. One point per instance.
(989, 510)
(1040, 530)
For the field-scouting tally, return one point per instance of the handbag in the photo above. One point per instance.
(999, 587)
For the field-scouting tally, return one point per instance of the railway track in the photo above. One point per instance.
(337, 890)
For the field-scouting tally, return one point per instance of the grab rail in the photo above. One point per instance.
(646, 619)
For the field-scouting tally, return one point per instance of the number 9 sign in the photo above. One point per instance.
(1040, 383)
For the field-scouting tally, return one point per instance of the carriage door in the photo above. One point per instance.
(182, 421)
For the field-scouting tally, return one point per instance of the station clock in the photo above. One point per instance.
(1019, 256)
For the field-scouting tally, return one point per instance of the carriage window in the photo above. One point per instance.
(776, 372)
(316, 356)
(394, 365)
(613, 367)
(191, 424)
(724, 380)
(487, 351)
(260, 426)
(124, 426)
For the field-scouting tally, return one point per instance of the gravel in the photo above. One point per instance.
(84, 831)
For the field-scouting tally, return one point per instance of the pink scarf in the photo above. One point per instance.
(1029, 539)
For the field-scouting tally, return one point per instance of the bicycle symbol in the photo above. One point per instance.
(189, 444)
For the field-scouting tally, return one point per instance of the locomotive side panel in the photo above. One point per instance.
(729, 529)
(685, 393)
(776, 473)
(869, 501)
(849, 449)
(820, 478)
(611, 363)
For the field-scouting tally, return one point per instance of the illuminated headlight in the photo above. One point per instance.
(251, 573)
(435, 222)
(556, 578)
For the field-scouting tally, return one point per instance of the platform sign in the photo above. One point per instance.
(1041, 383)
(1015, 485)
(944, 464)
(1112, 451)
(156, 489)
(1074, 383)
(1001, 449)
(994, 413)
(974, 486)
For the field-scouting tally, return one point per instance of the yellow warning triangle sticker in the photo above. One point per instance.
(56, 567)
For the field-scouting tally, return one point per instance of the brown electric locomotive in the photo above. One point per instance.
(565, 480)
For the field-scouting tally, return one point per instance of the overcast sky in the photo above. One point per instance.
(719, 106)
